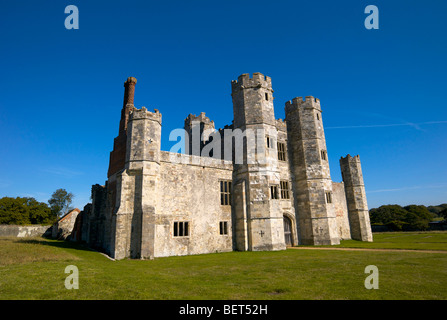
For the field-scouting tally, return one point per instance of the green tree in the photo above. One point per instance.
(443, 214)
(437, 209)
(392, 215)
(418, 217)
(40, 212)
(60, 202)
(23, 211)
(13, 211)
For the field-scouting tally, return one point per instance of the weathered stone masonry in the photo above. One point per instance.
(157, 203)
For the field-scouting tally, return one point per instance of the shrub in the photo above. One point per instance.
(23, 211)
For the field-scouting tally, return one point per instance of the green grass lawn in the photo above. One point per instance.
(34, 269)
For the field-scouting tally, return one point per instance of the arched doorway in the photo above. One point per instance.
(288, 231)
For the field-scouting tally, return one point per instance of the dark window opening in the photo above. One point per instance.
(181, 229)
(329, 197)
(284, 190)
(225, 193)
(223, 227)
(270, 142)
(281, 151)
(274, 192)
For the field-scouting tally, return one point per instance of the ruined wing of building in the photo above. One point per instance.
(264, 191)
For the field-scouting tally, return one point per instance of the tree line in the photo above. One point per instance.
(27, 210)
(413, 216)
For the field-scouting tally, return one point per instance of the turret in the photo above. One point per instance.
(309, 166)
(356, 198)
(137, 186)
(259, 218)
(144, 136)
(252, 100)
(195, 127)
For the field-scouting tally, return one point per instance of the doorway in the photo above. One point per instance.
(288, 231)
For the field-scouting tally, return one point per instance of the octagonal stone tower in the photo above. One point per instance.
(309, 167)
(358, 213)
(259, 219)
(133, 223)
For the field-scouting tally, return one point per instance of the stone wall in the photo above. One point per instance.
(341, 210)
(63, 228)
(189, 191)
(24, 231)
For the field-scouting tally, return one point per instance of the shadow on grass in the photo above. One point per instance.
(56, 243)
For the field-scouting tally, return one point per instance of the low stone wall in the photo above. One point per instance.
(7, 230)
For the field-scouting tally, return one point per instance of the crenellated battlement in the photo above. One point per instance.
(281, 125)
(307, 102)
(200, 118)
(226, 127)
(351, 170)
(258, 80)
(350, 159)
(143, 113)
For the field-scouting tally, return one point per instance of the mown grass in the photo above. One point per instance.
(14, 251)
(34, 269)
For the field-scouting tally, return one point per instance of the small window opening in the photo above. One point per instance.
(181, 229)
(225, 193)
(223, 227)
(329, 197)
(281, 151)
(270, 142)
(274, 192)
(284, 190)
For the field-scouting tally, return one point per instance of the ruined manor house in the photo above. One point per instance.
(157, 203)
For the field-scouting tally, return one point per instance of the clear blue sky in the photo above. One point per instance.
(383, 92)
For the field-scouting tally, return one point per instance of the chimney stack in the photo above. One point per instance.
(129, 93)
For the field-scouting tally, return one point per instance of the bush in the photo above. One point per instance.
(418, 217)
(396, 225)
(412, 217)
(23, 211)
(387, 213)
(443, 214)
